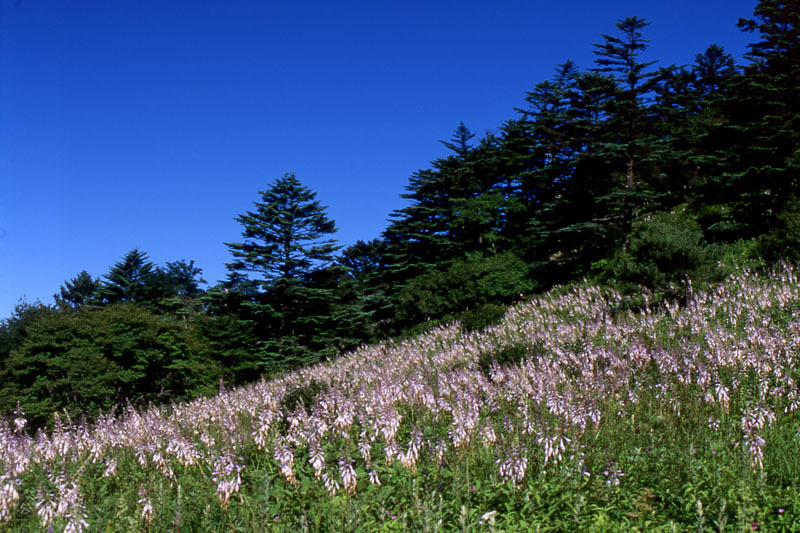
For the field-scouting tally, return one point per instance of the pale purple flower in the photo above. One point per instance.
(8, 497)
(348, 474)
(227, 475)
(373, 478)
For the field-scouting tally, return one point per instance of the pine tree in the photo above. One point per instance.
(588, 216)
(76, 292)
(620, 56)
(460, 141)
(286, 237)
(178, 285)
(132, 279)
(286, 243)
(714, 71)
(689, 123)
(366, 264)
(538, 151)
(766, 118)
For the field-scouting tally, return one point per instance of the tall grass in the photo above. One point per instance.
(566, 415)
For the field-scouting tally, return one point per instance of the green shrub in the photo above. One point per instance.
(482, 317)
(474, 280)
(86, 363)
(302, 395)
(666, 253)
(509, 355)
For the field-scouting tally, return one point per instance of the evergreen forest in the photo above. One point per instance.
(653, 179)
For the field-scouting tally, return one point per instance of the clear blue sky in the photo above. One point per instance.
(152, 124)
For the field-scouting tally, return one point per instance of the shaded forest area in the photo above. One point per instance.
(630, 173)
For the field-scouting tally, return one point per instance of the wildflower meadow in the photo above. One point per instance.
(573, 413)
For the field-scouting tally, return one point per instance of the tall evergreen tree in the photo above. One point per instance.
(621, 57)
(285, 237)
(766, 173)
(714, 71)
(588, 214)
(538, 150)
(132, 279)
(366, 264)
(178, 287)
(460, 141)
(689, 120)
(286, 242)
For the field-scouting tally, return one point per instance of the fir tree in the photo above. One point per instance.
(132, 279)
(76, 292)
(766, 119)
(460, 141)
(285, 237)
(286, 242)
(620, 56)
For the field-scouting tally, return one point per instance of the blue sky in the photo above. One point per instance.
(152, 124)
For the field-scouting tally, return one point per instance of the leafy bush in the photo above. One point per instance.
(88, 362)
(302, 395)
(509, 355)
(783, 242)
(482, 317)
(475, 280)
(667, 253)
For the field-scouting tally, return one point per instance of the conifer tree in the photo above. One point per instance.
(286, 243)
(460, 141)
(76, 292)
(766, 118)
(285, 237)
(714, 70)
(132, 279)
(588, 216)
(538, 150)
(689, 117)
(621, 57)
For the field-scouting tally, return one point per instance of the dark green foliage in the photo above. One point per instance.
(460, 142)
(78, 291)
(593, 152)
(286, 237)
(482, 317)
(132, 279)
(783, 242)
(232, 343)
(182, 278)
(14, 329)
(177, 289)
(287, 245)
(475, 279)
(761, 181)
(89, 362)
(508, 355)
(461, 205)
(689, 116)
(666, 254)
(626, 137)
(302, 396)
(174, 288)
(365, 284)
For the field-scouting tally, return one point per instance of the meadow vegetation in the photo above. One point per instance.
(572, 413)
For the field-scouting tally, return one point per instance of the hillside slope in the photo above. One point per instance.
(567, 414)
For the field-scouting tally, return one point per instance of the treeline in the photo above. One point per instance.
(629, 172)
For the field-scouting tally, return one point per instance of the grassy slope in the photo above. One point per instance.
(565, 416)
